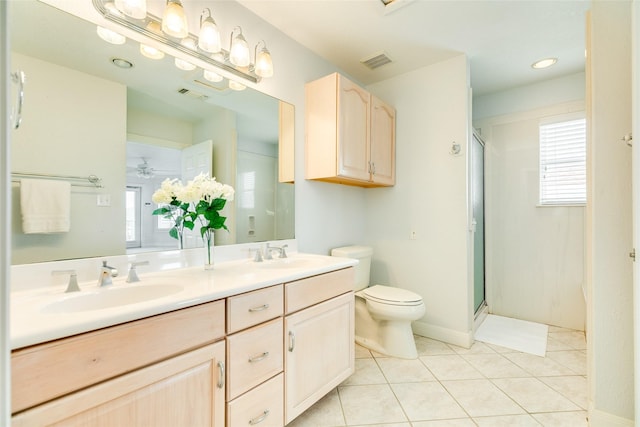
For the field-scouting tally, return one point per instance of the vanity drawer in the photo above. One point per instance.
(46, 371)
(307, 292)
(264, 405)
(252, 308)
(253, 356)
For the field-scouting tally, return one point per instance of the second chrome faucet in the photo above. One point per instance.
(106, 273)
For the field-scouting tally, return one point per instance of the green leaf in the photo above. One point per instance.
(160, 211)
(174, 233)
(188, 224)
(218, 204)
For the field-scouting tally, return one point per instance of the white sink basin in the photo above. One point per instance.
(110, 297)
(286, 263)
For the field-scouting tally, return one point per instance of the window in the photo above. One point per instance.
(563, 154)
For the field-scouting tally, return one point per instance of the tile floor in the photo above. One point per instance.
(450, 386)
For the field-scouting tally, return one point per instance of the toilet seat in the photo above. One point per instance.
(392, 296)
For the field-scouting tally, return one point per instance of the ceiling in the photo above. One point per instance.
(501, 38)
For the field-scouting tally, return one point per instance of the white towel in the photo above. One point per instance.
(46, 206)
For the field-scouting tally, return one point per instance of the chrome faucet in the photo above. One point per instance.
(72, 286)
(282, 253)
(258, 257)
(133, 274)
(106, 273)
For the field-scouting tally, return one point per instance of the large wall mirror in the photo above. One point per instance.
(86, 113)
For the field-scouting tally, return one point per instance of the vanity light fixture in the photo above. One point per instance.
(181, 63)
(134, 8)
(264, 64)
(239, 49)
(544, 63)
(110, 36)
(160, 35)
(212, 76)
(209, 39)
(151, 52)
(174, 20)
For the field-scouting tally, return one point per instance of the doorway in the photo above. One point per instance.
(477, 195)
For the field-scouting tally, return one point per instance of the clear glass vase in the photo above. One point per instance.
(207, 239)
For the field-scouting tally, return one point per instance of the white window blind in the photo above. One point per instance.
(563, 170)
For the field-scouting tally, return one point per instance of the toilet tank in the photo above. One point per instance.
(363, 254)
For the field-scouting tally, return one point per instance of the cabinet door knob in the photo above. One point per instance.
(259, 419)
(220, 374)
(292, 341)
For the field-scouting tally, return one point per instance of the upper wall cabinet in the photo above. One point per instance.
(350, 134)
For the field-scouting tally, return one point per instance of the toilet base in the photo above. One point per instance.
(391, 338)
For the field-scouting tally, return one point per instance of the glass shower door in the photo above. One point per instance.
(477, 194)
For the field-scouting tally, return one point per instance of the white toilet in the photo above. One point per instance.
(383, 313)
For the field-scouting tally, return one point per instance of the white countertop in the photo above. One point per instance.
(34, 318)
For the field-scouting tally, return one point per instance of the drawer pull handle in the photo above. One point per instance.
(259, 358)
(220, 375)
(259, 419)
(292, 341)
(262, 307)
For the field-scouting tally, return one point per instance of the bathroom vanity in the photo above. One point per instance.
(246, 343)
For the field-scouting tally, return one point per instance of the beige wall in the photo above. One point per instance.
(64, 124)
(430, 198)
(609, 229)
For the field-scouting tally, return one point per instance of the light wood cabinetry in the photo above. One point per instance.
(319, 338)
(49, 370)
(188, 389)
(350, 134)
(250, 359)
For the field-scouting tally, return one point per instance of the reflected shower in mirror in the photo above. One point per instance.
(85, 115)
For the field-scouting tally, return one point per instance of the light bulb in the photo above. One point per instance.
(110, 36)
(209, 39)
(134, 8)
(151, 52)
(239, 52)
(174, 21)
(212, 77)
(264, 65)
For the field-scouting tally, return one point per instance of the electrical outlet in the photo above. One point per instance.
(104, 200)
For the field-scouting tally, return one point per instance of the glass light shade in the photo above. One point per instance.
(110, 36)
(151, 52)
(134, 8)
(264, 65)
(209, 39)
(174, 21)
(239, 52)
(236, 86)
(212, 76)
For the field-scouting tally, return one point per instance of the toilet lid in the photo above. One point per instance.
(391, 295)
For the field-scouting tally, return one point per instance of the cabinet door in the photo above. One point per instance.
(353, 130)
(383, 142)
(187, 390)
(319, 352)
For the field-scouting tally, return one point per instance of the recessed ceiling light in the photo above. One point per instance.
(544, 63)
(122, 63)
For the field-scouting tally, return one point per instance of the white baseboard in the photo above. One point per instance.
(604, 419)
(450, 336)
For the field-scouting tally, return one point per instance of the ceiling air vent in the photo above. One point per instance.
(192, 94)
(376, 61)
